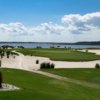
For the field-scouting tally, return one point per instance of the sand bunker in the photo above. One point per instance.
(29, 62)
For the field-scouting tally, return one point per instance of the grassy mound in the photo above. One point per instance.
(38, 87)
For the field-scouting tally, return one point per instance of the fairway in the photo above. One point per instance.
(61, 54)
(38, 87)
(89, 75)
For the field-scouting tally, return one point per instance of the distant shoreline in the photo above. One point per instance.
(62, 43)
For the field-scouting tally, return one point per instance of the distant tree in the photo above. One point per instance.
(22, 47)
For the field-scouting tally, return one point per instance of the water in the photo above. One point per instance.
(48, 45)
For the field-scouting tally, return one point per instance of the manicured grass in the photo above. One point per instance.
(38, 87)
(90, 75)
(61, 54)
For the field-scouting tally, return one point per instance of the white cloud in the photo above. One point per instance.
(13, 29)
(77, 23)
(74, 27)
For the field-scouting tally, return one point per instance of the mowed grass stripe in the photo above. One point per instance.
(91, 75)
(66, 79)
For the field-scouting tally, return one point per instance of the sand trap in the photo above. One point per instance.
(29, 62)
(95, 51)
(92, 51)
(9, 87)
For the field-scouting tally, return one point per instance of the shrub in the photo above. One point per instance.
(0, 63)
(42, 66)
(52, 47)
(46, 65)
(86, 51)
(52, 65)
(97, 66)
(1, 79)
(38, 47)
(37, 61)
(2, 53)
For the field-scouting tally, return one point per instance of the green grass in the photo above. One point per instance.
(38, 87)
(61, 54)
(89, 75)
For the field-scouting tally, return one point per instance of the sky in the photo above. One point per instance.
(50, 20)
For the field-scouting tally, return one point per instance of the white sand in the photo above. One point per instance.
(29, 62)
(92, 51)
(9, 87)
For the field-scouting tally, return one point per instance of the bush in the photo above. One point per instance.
(46, 66)
(0, 63)
(37, 61)
(86, 51)
(38, 47)
(52, 65)
(97, 66)
(42, 66)
(1, 79)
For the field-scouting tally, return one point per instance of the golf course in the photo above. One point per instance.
(38, 87)
(50, 84)
(49, 49)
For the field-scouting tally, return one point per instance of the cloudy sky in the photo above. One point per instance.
(50, 20)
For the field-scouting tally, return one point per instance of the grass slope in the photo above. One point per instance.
(89, 75)
(61, 54)
(37, 87)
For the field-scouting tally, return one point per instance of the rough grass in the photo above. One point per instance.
(61, 54)
(38, 87)
(89, 75)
